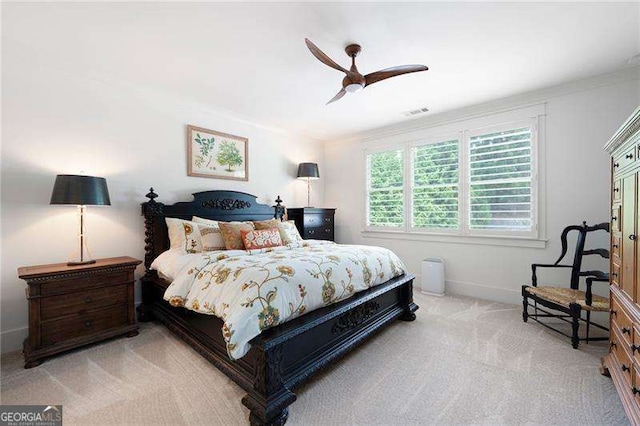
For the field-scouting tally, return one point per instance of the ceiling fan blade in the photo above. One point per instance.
(374, 77)
(338, 96)
(322, 57)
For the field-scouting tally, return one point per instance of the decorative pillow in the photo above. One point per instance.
(204, 221)
(266, 224)
(184, 234)
(211, 237)
(231, 233)
(289, 232)
(262, 238)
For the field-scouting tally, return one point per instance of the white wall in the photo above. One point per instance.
(580, 118)
(57, 120)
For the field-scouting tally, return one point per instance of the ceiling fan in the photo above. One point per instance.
(354, 81)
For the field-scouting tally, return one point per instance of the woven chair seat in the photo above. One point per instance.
(565, 296)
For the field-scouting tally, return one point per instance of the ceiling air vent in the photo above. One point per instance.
(415, 112)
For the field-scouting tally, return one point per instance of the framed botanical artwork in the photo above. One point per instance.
(217, 155)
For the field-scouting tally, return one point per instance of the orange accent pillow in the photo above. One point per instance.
(262, 238)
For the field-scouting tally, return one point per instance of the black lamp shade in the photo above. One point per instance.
(308, 170)
(80, 190)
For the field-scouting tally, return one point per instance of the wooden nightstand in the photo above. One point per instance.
(313, 223)
(71, 306)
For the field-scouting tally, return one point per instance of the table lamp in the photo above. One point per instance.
(308, 171)
(81, 191)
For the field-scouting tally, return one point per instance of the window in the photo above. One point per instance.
(435, 186)
(385, 189)
(481, 183)
(500, 180)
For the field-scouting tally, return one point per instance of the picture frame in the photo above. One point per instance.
(216, 155)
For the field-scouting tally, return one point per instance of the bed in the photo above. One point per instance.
(280, 358)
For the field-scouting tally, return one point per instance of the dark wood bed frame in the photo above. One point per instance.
(281, 358)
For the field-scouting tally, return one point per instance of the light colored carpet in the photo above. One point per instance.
(463, 361)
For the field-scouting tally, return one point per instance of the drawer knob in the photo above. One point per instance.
(88, 323)
(327, 219)
(626, 330)
(635, 348)
(311, 231)
(87, 300)
(613, 345)
(616, 189)
(633, 237)
(613, 312)
(327, 229)
(628, 156)
(615, 246)
(616, 165)
(635, 390)
(614, 274)
(625, 368)
(614, 218)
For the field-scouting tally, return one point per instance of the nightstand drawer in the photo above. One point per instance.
(313, 220)
(81, 301)
(79, 283)
(91, 322)
(325, 233)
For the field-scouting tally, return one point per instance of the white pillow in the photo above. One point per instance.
(289, 232)
(211, 238)
(184, 235)
(204, 221)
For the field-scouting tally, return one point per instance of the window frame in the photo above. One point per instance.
(376, 150)
(431, 140)
(532, 124)
(463, 131)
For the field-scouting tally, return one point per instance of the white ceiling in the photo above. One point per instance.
(251, 59)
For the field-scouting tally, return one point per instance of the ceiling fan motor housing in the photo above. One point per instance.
(347, 82)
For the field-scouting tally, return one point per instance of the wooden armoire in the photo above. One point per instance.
(623, 359)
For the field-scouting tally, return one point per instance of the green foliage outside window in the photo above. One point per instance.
(386, 194)
(435, 185)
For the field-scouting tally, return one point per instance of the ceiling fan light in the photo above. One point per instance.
(354, 87)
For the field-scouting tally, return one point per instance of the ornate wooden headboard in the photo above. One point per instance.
(217, 205)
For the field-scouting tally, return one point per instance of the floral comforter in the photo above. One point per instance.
(255, 290)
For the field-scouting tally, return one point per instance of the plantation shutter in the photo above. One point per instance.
(435, 185)
(500, 173)
(385, 193)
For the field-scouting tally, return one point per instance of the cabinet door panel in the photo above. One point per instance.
(629, 229)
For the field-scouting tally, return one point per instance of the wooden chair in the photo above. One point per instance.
(570, 301)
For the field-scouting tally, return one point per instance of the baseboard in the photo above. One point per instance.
(12, 340)
(479, 291)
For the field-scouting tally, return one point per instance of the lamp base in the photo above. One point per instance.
(78, 263)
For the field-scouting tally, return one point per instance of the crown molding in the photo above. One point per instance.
(628, 128)
(523, 100)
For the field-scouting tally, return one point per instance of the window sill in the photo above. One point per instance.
(457, 239)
